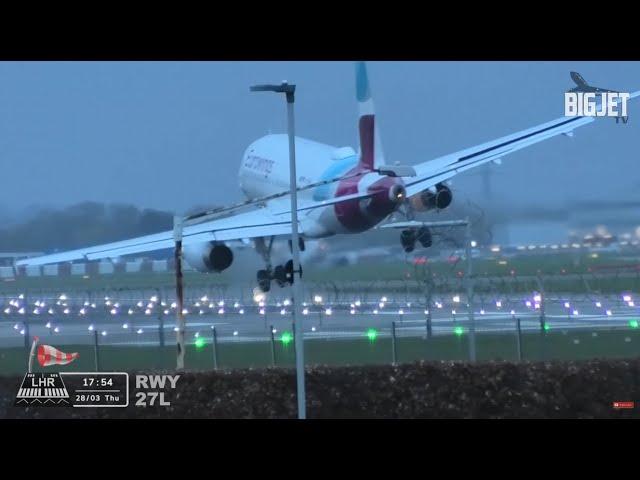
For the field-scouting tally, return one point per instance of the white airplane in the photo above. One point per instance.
(340, 192)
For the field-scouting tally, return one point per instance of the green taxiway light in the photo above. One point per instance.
(372, 334)
(633, 323)
(200, 342)
(286, 338)
(458, 330)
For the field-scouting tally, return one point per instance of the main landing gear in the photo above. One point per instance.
(409, 237)
(282, 274)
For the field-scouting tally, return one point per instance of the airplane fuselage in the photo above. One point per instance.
(264, 171)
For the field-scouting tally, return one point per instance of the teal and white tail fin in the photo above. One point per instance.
(371, 154)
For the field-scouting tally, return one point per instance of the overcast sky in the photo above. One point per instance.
(170, 135)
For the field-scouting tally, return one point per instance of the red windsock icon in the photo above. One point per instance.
(47, 355)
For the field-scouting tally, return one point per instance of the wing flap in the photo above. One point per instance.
(418, 224)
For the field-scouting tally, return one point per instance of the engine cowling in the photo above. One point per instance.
(429, 199)
(208, 257)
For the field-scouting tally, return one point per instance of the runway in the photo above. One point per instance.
(138, 318)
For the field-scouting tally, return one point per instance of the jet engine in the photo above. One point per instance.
(429, 199)
(208, 256)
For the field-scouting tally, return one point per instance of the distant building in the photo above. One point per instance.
(615, 218)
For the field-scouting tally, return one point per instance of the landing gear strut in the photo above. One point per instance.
(264, 276)
(264, 280)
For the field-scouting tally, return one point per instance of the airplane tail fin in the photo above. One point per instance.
(371, 155)
(579, 81)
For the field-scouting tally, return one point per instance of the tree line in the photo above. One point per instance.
(81, 225)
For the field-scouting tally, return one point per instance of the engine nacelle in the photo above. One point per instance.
(429, 200)
(208, 257)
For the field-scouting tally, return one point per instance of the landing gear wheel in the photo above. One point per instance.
(300, 245)
(288, 268)
(408, 240)
(264, 280)
(280, 275)
(424, 237)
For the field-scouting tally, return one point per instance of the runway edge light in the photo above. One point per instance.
(372, 334)
(286, 338)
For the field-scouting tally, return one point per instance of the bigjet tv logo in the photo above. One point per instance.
(609, 104)
(585, 100)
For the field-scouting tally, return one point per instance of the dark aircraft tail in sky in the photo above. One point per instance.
(583, 86)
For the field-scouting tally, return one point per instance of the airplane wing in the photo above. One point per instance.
(443, 168)
(272, 221)
(255, 223)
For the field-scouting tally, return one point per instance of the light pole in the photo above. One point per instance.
(469, 282)
(177, 236)
(289, 91)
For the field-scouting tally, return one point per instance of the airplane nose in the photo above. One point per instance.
(397, 193)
